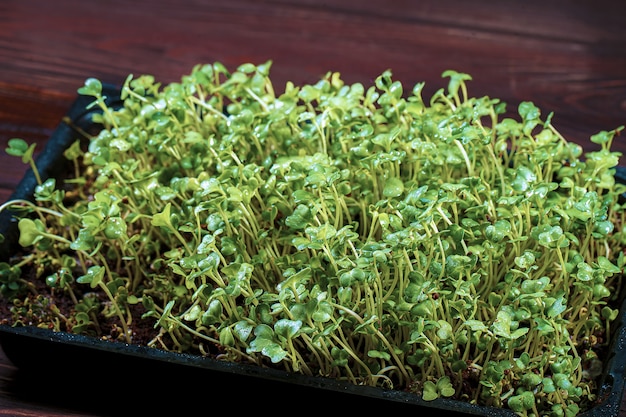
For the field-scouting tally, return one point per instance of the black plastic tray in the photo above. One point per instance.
(81, 371)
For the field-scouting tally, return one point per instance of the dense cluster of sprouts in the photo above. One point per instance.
(352, 232)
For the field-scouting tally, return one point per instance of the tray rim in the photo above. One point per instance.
(12, 338)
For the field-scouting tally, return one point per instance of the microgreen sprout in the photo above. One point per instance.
(19, 147)
(349, 231)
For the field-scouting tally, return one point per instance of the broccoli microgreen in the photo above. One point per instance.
(355, 232)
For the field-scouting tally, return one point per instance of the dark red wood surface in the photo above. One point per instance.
(568, 57)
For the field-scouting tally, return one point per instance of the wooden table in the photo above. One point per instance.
(568, 57)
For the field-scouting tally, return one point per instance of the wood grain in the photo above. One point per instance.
(568, 57)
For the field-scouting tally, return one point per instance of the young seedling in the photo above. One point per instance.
(20, 148)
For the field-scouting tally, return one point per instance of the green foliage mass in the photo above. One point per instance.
(349, 231)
